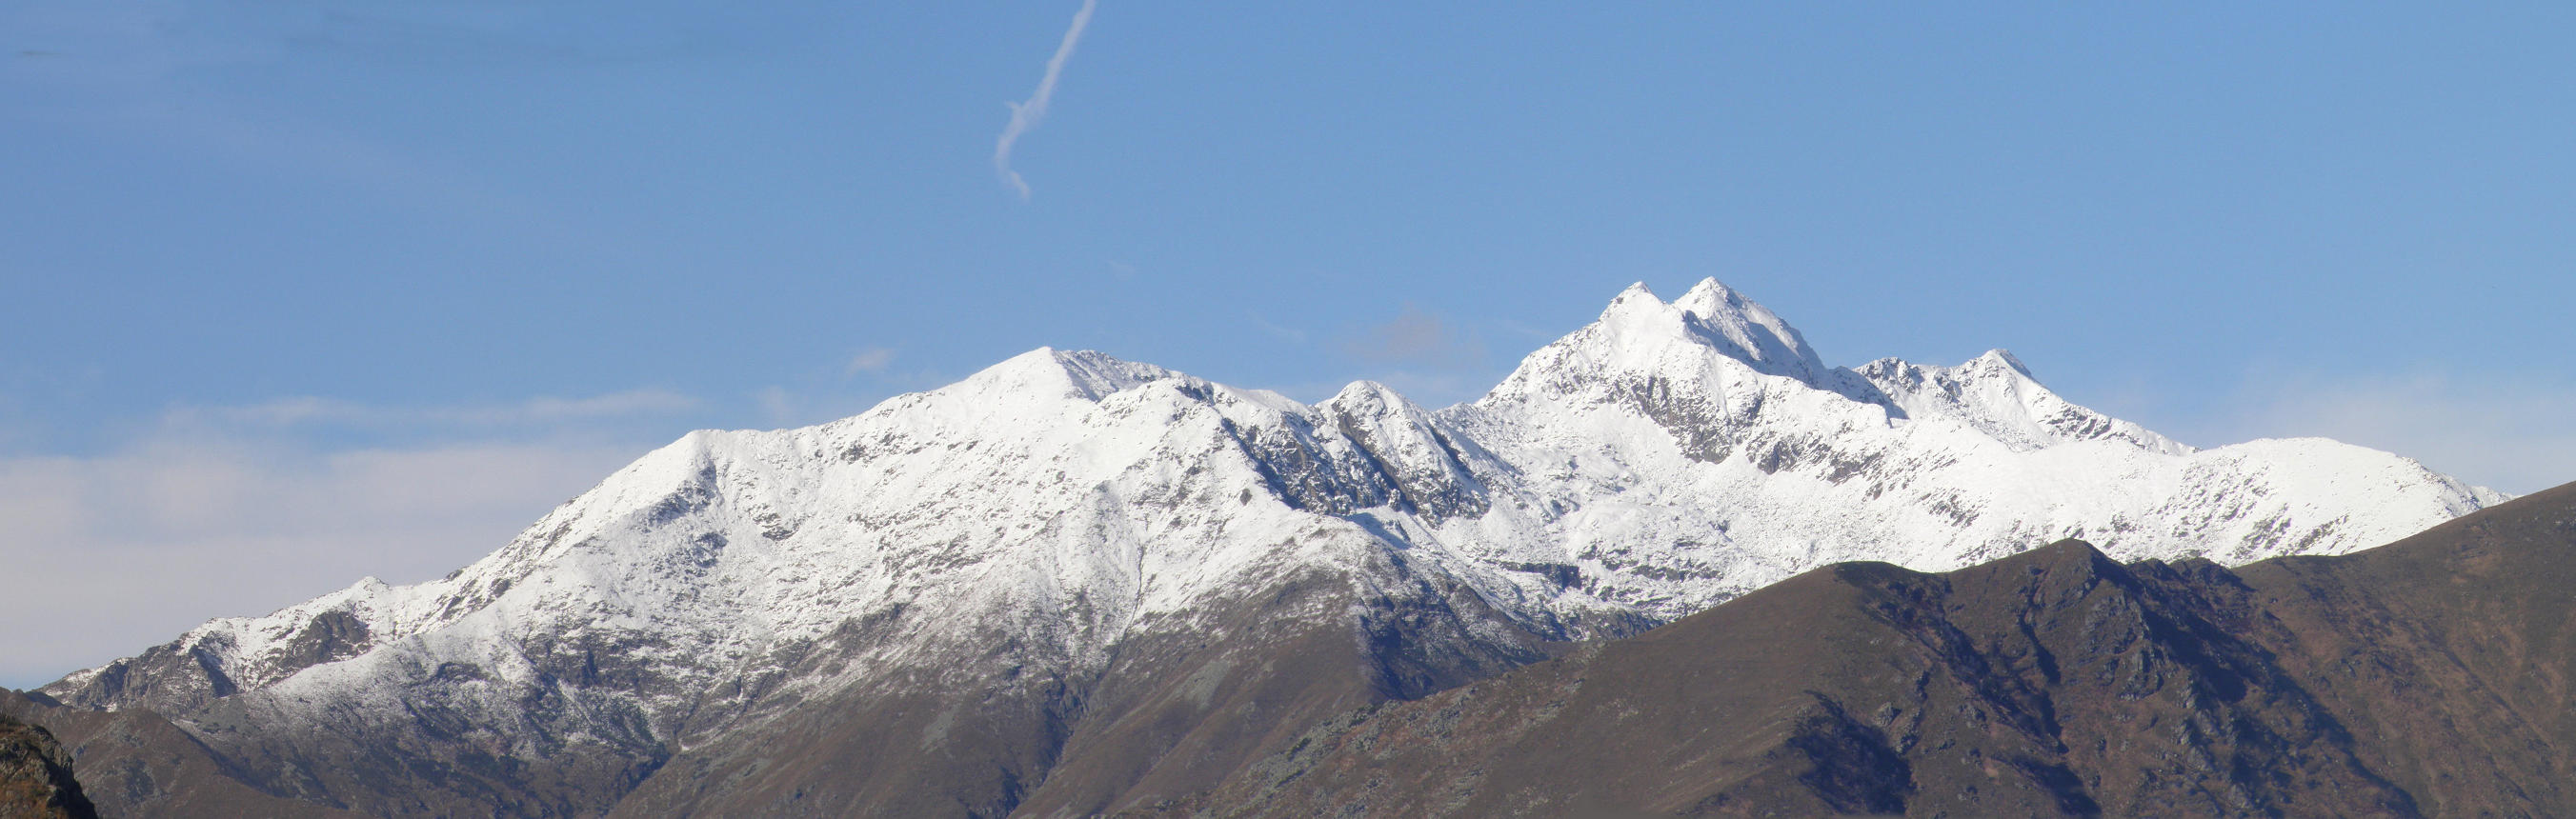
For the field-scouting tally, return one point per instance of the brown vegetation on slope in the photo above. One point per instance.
(36, 776)
(2430, 677)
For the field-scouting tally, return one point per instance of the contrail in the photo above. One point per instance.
(1025, 115)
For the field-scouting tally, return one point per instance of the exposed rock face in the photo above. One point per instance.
(135, 763)
(1175, 712)
(2426, 678)
(1074, 584)
(36, 776)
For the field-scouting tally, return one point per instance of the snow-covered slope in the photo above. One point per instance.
(1659, 461)
(1680, 454)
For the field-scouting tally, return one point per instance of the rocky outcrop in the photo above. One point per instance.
(135, 763)
(36, 776)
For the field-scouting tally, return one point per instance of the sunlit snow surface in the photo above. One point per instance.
(1661, 460)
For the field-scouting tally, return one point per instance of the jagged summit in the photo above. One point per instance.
(1997, 395)
(1683, 340)
(1064, 521)
(2006, 358)
(1368, 393)
(1746, 330)
(1700, 364)
(1049, 372)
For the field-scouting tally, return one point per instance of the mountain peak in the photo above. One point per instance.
(1710, 296)
(1711, 317)
(1747, 331)
(1085, 374)
(1369, 394)
(1636, 303)
(1996, 394)
(2000, 357)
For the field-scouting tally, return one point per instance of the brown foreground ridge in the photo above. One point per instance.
(136, 763)
(36, 776)
(2430, 677)
(2435, 676)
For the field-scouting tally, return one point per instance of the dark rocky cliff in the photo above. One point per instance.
(36, 776)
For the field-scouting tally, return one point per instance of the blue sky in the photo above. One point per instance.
(301, 290)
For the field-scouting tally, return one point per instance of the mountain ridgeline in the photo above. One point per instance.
(1072, 585)
(2430, 677)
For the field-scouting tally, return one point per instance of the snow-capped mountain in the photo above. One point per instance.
(1071, 542)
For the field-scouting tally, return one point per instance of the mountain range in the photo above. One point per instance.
(1072, 585)
(2429, 677)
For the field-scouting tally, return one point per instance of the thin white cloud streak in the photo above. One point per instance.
(1026, 114)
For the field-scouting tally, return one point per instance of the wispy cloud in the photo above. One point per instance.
(1422, 355)
(285, 499)
(149, 523)
(1288, 334)
(1431, 390)
(870, 360)
(1418, 339)
(781, 407)
(2512, 436)
(1026, 114)
(311, 410)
